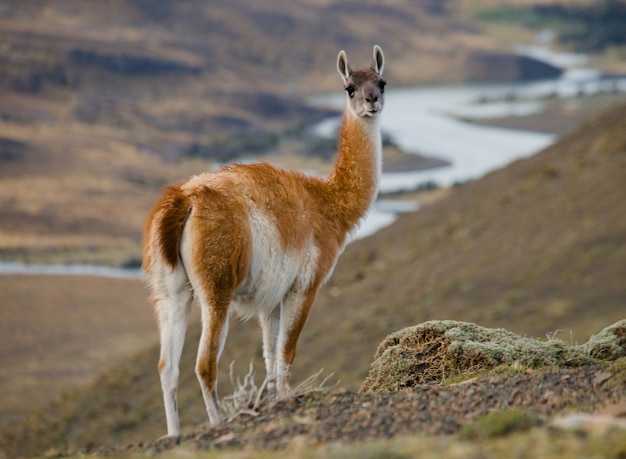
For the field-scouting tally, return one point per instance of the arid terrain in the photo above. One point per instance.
(103, 106)
(543, 290)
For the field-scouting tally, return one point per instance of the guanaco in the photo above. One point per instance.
(259, 241)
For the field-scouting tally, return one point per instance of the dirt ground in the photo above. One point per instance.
(347, 417)
(60, 331)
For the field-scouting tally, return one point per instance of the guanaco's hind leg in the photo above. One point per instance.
(215, 249)
(214, 331)
(172, 303)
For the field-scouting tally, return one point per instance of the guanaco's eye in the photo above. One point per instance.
(381, 85)
(350, 89)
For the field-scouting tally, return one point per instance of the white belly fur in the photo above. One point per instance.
(273, 271)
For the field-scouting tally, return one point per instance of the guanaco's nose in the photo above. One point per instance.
(371, 98)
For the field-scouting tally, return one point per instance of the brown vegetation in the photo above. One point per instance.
(439, 351)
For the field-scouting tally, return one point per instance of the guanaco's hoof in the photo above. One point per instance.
(167, 441)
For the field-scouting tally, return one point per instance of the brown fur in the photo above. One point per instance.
(170, 214)
(223, 250)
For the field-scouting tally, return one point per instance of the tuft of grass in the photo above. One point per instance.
(618, 370)
(437, 351)
(251, 399)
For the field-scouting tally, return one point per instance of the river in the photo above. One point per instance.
(9, 267)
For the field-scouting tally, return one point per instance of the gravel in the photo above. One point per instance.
(319, 418)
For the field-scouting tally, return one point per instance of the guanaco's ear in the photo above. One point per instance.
(343, 67)
(378, 60)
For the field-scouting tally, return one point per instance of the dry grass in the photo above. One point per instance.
(432, 352)
(250, 399)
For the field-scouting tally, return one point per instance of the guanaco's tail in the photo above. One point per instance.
(165, 224)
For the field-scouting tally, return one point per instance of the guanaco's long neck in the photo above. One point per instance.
(354, 180)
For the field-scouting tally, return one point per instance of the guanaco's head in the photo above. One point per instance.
(365, 88)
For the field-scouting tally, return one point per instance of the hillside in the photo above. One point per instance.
(105, 102)
(101, 105)
(536, 247)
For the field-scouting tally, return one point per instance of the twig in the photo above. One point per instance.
(248, 398)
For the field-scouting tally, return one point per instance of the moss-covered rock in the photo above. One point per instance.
(433, 351)
(609, 344)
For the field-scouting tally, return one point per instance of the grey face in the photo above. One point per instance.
(365, 88)
(365, 92)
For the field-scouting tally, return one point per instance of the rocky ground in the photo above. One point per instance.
(537, 398)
